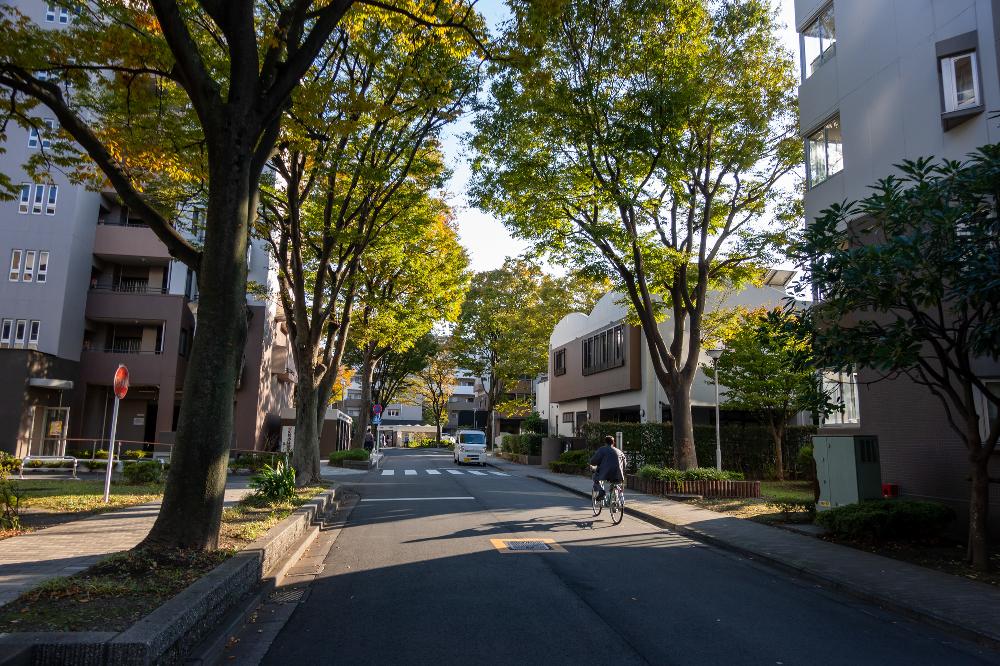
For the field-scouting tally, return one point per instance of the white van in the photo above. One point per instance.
(470, 447)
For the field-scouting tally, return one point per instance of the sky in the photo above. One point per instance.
(486, 239)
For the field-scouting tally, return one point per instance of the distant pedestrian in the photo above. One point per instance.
(369, 440)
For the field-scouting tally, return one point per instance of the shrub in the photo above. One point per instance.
(527, 444)
(805, 463)
(274, 484)
(8, 464)
(572, 462)
(579, 457)
(886, 520)
(96, 465)
(138, 454)
(789, 504)
(337, 458)
(101, 454)
(653, 472)
(142, 471)
(535, 424)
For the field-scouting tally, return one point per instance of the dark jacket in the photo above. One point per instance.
(610, 464)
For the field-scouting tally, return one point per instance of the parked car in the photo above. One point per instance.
(470, 447)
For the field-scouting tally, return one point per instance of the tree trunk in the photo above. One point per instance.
(305, 455)
(979, 506)
(685, 455)
(367, 370)
(777, 435)
(191, 512)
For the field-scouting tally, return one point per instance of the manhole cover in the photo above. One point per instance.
(526, 545)
(288, 596)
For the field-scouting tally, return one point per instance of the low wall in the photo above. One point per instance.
(723, 489)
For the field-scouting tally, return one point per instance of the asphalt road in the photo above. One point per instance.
(413, 578)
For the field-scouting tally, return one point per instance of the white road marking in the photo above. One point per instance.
(388, 472)
(414, 499)
(433, 471)
(410, 472)
(500, 473)
(472, 471)
(454, 471)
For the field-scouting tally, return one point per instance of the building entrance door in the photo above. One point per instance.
(55, 425)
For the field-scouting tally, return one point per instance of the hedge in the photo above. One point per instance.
(572, 462)
(337, 458)
(746, 447)
(888, 519)
(527, 444)
(696, 474)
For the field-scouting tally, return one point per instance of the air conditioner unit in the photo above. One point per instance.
(848, 470)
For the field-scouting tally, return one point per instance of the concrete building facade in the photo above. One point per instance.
(883, 82)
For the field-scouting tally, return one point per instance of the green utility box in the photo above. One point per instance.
(848, 470)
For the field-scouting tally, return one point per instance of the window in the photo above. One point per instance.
(33, 331)
(5, 331)
(198, 224)
(818, 42)
(29, 266)
(988, 408)
(63, 15)
(20, 327)
(43, 267)
(559, 362)
(15, 266)
(842, 388)
(24, 201)
(604, 350)
(960, 80)
(50, 205)
(182, 344)
(36, 206)
(825, 150)
(354, 395)
(50, 13)
(43, 137)
(568, 417)
(351, 411)
(392, 411)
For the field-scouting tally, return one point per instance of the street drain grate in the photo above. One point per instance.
(526, 545)
(291, 595)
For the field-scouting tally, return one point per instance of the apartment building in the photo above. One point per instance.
(600, 368)
(89, 287)
(885, 81)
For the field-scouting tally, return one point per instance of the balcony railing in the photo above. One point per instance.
(128, 286)
(119, 222)
(122, 346)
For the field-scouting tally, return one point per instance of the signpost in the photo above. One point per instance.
(287, 438)
(121, 389)
(376, 421)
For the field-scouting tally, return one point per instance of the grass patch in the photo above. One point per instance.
(251, 518)
(67, 496)
(109, 596)
(120, 590)
(772, 507)
(801, 490)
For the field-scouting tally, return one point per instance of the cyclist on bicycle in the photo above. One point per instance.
(609, 462)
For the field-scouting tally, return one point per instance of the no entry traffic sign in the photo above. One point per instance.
(121, 382)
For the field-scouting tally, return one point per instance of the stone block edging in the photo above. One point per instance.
(165, 635)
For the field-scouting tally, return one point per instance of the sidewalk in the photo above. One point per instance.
(957, 604)
(62, 550)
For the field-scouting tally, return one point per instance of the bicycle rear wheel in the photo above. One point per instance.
(617, 507)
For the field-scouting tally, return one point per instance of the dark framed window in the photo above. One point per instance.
(182, 345)
(604, 350)
(559, 362)
(569, 417)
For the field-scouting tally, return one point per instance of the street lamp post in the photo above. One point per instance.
(715, 354)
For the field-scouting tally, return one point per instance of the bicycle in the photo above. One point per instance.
(614, 499)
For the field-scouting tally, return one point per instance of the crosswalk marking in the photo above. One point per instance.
(433, 471)
(500, 473)
(472, 471)
(437, 472)
(410, 472)
(454, 471)
(388, 472)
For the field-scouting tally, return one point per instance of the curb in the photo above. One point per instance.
(189, 618)
(981, 638)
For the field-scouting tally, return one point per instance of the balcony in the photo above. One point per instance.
(128, 242)
(144, 368)
(134, 301)
(282, 364)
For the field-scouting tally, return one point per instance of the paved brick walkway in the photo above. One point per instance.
(959, 604)
(61, 550)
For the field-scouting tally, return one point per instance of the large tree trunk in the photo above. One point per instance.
(191, 512)
(777, 435)
(305, 455)
(685, 456)
(979, 507)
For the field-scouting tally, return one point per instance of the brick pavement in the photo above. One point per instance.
(61, 550)
(958, 604)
